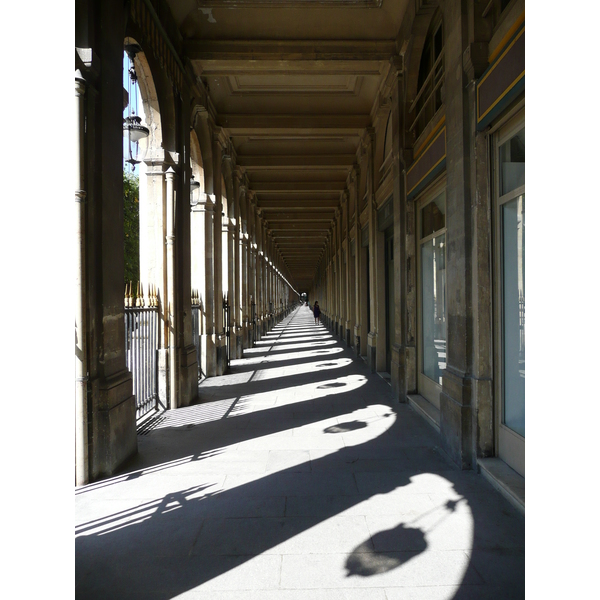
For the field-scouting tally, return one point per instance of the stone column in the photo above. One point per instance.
(170, 296)
(81, 366)
(218, 143)
(229, 276)
(243, 253)
(230, 238)
(108, 399)
(252, 259)
(347, 255)
(259, 274)
(372, 338)
(456, 417)
(404, 360)
(359, 340)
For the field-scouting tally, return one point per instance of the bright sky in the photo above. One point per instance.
(139, 112)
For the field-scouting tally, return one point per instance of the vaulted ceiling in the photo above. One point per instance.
(293, 83)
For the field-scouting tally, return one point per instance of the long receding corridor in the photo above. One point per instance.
(295, 476)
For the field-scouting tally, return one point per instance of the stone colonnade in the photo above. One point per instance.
(214, 242)
(367, 280)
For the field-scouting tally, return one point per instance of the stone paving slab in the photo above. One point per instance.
(296, 476)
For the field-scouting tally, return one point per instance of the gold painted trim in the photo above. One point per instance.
(423, 146)
(432, 168)
(508, 88)
(520, 20)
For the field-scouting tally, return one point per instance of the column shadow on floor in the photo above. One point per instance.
(184, 539)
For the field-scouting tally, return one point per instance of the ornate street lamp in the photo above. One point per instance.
(194, 185)
(133, 129)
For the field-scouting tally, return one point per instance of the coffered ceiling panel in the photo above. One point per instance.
(293, 84)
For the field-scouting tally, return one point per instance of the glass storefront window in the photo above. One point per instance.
(512, 163)
(433, 307)
(433, 215)
(513, 309)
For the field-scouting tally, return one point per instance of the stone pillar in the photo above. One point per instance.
(359, 340)
(259, 274)
(81, 366)
(347, 292)
(475, 59)
(252, 258)
(218, 143)
(457, 379)
(231, 266)
(243, 253)
(372, 338)
(209, 346)
(170, 296)
(403, 363)
(103, 385)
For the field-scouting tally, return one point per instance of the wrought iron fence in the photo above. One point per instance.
(197, 328)
(253, 319)
(226, 326)
(142, 343)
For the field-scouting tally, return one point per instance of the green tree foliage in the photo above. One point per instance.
(131, 198)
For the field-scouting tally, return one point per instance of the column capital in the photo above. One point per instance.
(397, 64)
(80, 83)
(239, 175)
(219, 136)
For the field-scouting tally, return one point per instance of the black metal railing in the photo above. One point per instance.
(227, 327)
(141, 339)
(197, 329)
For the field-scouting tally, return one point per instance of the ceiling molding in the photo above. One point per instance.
(302, 161)
(347, 84)
(269, 4)
(291, 50)
(281, 124)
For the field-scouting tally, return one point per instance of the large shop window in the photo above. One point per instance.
(432, 280)
(510, 218)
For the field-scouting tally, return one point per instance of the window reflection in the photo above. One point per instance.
(433, 278)
(513, 308)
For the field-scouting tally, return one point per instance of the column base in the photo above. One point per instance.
(455, 419)
(372, 352)
(357, 340)
(114, 438)
(188, 375)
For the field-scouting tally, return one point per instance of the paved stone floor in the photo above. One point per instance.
(296, 477)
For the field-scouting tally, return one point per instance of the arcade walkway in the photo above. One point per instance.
(296, 478)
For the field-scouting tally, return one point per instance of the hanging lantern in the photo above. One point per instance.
(194, 185)
(133, 130)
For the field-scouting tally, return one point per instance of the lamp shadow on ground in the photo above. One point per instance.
(162, 547)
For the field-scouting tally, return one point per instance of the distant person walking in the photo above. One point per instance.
(317, 312)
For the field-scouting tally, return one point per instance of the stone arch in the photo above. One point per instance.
(201, 128)
(197, 163)
(227, 189)
(384, 134)
(157, 95)
(421, 29)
